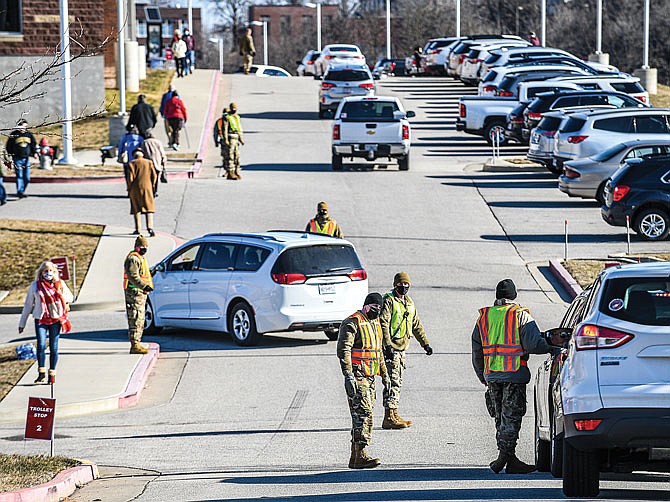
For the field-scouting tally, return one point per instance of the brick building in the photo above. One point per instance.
(29, 30)
(155, 27)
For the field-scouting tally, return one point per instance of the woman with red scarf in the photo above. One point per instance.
(48, 300)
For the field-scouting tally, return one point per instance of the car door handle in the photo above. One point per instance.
(185, 282)
(194, 281)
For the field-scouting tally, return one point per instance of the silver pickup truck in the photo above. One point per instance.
(371, 128)
(485, 116)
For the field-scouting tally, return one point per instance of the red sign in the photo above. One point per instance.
(63, 269)
(168, 54)
(40, 419)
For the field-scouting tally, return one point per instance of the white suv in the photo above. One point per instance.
(337, 54)
(249, 284)
(602, 405)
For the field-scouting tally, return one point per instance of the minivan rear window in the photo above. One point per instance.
(641, 300)
(329, 259)
(347, 75)
(573, 124)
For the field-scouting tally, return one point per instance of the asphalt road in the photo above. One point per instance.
(218, 422)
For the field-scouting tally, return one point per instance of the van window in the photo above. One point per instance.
(651, 124)
(573, 124)
(615, 124)
(217, 256)
(184, 260)
(329, 259)
(250, 258)
(642, 300)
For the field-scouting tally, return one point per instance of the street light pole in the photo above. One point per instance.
(121, 39)
(543, 15)
(388, 29)
(458, 18)
(68, 154)
(645, 51)
(190, 16)
(316, 6)
(518, 11)
(264, 24)
(599, 27)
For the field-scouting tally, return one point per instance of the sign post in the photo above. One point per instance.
(40, 419)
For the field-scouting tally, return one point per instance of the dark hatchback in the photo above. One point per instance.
(640, 190)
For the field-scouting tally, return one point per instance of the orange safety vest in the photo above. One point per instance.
(501, 339)
(366, 358)
(145, 273)
(328, 228)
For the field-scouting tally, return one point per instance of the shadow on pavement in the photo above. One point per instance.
(221, 433)
(496, 184)
(495, 176)
(573, 238)
(547, 204)
(76, 196)
(287, 115)
(287, 167)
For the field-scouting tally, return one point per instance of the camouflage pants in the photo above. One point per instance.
(247, 60)
(361, 406)
(233, 154)
(225, 156)
(509, 403)
(135, 301)
(395, 368)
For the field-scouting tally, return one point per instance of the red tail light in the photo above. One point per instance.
(516, 120)
(589, 337)
(548, 134)
(642, 98)
(405, 131)
(461, 110)
(461, 58)
(327, 85)
(359, 56)
(330, 57)
(505, 94)
(570, 173)
(358, 274)
(310, 62)
(490, 88)
(392, 67)
(336, 131)
(620, 192)
(587, 425)
(534, 115)
(289, 278)
(367, 85)
(576, 139)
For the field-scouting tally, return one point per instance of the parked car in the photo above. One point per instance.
(507, 56)
(541, 145)
(471, 67)
(602, 404)
(626, 84)
(268, 71)
(306, 65)
(640, 190)
(435, 54)
(341, 81)
(393, 66)
(334, 54)
(255, 283)
(537, 82)
(588, 133)
(586, 178)
(485, 116)
(489, 84)
(460, 51)
(371, 128)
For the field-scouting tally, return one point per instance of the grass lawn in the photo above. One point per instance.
(11, 369)
(21, 471)
(662, 99)
(111, 168)
(24, 244)
(585, 271)
(91, 134)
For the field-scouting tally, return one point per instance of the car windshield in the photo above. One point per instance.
(378, 111)
(641, 300)
(606, 155)
(329, 259)
(346, 75)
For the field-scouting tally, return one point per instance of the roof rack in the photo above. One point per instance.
(307, 232)
(241, 234)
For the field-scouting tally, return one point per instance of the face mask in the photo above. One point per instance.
(323, 213)
(48, 275)
(233, 112)
(142, 251)
(373, 311)
(401, 290)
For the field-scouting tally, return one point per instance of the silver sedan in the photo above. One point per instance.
(587, 177)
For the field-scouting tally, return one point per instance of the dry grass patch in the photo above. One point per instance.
(21, 471)
(24, 244)
(109, 169)
(586, 271)
(662, 99)
(11, 369)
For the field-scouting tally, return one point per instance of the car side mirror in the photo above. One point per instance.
(410, 114)
(159, 267)
(558, 337)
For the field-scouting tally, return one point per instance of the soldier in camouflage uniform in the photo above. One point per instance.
(137, 283)
(502, 339)
(399, 321)
(359, 350)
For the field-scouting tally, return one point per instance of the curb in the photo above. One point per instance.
(139, 377)
(564, 277)
(61, 486)
(179, 175)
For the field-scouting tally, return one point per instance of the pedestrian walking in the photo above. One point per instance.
(179, 53)
(153, 150)
(129, 142)
(137, 284)
(322, 223)
(418, 58)
(164, 99)
(399, 321)
(5, 163)
(175, 112)
(189, 40)
(247, 50)
(359, 349)
(142, 116)
(233, 139)
(532, 38)
(220, 134)
(48, 300)
(142, 179)
(21, 145)
(503, 337)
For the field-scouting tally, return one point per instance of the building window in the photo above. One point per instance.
(266, 20)
(285, 25)
(307, 24)
(167, 28)
(141, 28)
(10, 16)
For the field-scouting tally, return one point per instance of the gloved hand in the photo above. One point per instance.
(350, 384)
(148, 289)
(429, 350)
(388, 353)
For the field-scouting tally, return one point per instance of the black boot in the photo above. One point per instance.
(41, 375)
(499, 464)
(516, 466)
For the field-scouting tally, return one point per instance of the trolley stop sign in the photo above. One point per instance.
(40, 419)
(63, 269)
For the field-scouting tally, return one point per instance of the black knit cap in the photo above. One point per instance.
(506, 289)
(374, 299)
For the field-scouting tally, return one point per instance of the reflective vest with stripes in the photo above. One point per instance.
(234, 124)
(501, 341)
(328, 228)
(145, 273)
(366, 357)
(401, 324)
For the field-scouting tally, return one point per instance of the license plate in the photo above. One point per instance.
(346, 91)
(326, 289)
(370, 148)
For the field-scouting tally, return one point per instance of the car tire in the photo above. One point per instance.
(555, 451)
(242, 325)
(652, 224)
(403, 163)
(542, 449)
(600, 193)
(336, 162)
(150, 327)
(490, 129)
(332, 334)
(581, 476)
(552, 168)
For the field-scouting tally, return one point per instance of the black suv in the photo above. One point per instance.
(640, 190)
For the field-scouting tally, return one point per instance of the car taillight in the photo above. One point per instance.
(534, 115)
(336, 131)
(620, 192)
(289, 278)
(589, 337)
(327, 85)
(367, 85)
(330, 57)
(359, 56)
(516, 120)
(461, 110)
(505, 94)
(392, 68)
(461, 58)
(587, 425)
(642, 98)
(576, 139)
(490, 88)
(358, 274)
(405, 131)
(570, 173)
(310, 62)
(548, 134)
